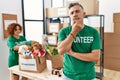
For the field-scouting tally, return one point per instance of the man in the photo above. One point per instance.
(80, 45)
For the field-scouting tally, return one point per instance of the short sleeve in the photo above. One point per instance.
(61, 35)
(96, 42)
(10, 42)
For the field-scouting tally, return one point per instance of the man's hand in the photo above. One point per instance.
(76, 26)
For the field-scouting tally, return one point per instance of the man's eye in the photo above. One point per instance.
(71, 13)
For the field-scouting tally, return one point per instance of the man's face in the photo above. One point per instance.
(76, 14)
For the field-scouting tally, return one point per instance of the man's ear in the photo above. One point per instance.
(84, 13)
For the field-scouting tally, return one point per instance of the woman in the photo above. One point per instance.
(14, 30)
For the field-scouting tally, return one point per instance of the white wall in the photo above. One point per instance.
(47, 3)
(10, 7)
(108, 7)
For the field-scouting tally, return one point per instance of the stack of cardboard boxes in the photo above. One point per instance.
(112, 45)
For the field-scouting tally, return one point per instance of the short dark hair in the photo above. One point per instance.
(75, 4)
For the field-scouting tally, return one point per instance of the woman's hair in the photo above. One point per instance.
(75, 4)
(12, 27)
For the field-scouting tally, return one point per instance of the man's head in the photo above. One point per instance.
(76, 12)
(75, 4)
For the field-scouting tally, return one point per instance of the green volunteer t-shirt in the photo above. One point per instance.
(13, 56)
(86, 40)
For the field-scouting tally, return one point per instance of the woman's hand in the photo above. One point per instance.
(16, 48)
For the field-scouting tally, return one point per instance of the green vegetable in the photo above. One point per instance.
(51, 51)
(55, 51)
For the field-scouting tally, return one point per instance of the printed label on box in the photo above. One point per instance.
(28, 64)
(62, 11)
(54, 28)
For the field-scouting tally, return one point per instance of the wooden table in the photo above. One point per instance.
(45, 75)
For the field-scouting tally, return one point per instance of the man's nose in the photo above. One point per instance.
(74, 14)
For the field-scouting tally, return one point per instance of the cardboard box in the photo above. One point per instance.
(56, 12)
(51, 12)
(37, 64)
(48, 57)
(112, 51)
(117, 27)
(62, 11)
(52, 40)
(54, 27)
(111, 39)
(91, 7)
(116, 17)
(112, 63)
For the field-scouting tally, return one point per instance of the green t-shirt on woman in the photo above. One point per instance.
(13, 55)
(86, 40)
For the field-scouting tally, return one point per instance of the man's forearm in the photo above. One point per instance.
(65, 45)
(93, 56)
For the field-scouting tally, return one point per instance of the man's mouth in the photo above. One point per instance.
(75, 18)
